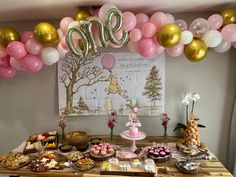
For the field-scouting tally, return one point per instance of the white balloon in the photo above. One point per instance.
(186, 37)
(213, 38)
(50, 55)
(61, 50)
(170, 18)
(60, 33)
(223, 47)
(103, 11)
(132, 46)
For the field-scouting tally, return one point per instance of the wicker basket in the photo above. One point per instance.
(76, 138)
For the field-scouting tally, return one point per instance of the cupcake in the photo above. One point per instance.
(162, 154)
(167, 151)
(96, 152)
(156, 154)
(103, 153)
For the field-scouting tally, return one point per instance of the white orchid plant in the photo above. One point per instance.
(188, 100)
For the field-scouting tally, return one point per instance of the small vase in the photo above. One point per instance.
(111, 136)
(63, 137)
(165, 137)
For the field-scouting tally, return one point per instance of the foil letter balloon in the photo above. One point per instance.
(84, 30)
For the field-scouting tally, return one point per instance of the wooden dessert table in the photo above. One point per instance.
(209, 167)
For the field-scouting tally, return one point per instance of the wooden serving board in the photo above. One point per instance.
(139, 171)
(27, 151)
(134, 171)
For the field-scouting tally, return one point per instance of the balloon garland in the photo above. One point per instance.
(108, 26)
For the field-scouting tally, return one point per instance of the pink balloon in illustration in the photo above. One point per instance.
(159, 19)
(229, 33)
(7, 72)
(32, 63)
(135, 35)
(129, 21)
(146, 47)
(64, 23)
(215, 21)
(5, 62)
(175, 51)
(148, 30)
(33, 47)
(141, 19)
(3, 51)
(108, 61)
(159, 48)
(17, 64)
(25, 36)
(16, 49)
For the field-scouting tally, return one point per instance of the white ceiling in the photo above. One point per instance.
(15, 10)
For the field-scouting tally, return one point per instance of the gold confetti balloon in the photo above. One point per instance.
(196, 50)
(82, 14)
(8, 34)
(169, 35)
(229, 16)
(46, 34)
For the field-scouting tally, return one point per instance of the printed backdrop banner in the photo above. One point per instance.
(96, 85)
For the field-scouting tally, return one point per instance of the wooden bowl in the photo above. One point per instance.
(76, 137)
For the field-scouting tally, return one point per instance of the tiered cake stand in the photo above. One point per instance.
(126, 136)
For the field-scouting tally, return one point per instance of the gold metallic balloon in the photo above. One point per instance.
(46, 33)
(229, 16)
(8, 34)
(169, 35)
(82, 14)
(196, 50)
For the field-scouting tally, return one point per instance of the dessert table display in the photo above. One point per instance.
(76, 163)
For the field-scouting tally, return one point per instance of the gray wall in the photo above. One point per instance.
(29, 102)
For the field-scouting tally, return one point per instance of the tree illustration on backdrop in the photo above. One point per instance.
(153, 85)
(78, 70)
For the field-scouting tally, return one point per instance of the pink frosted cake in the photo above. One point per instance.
(133, 125)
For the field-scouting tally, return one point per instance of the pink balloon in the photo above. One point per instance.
(5, 62)
(32, 63)
(7, 72)
(3, 51)
(132, 46)
(16, 49)
(146, 47)
(148, 30)
(159, 48)
(17, 64)
(229, 33)
(141, 19)
(33, 47)
(108, 61)
(129, 21)
(159, 19)
(135, 35)
(64, 23)
(175, 51)
(61, 51)
(25, 36)
(215, 21)
(118, 36)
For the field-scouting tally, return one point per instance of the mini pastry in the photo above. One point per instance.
(135, 163)
(125, 166)
(114, 161)
(106, 166)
